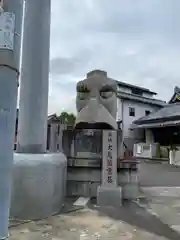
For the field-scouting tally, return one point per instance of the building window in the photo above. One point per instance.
(147, 112)
(131, 112)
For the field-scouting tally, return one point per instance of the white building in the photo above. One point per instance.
(133, 103)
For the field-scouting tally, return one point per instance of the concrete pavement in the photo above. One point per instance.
(164, 203)
(155, 217)
(132, 221)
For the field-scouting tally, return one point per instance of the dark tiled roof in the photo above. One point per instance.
(169, 123)
(169, 112)
(134, 97)
(53, 117)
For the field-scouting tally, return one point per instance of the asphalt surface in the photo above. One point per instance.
(157, 174)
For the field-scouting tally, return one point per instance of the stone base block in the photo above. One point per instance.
(109, 196)
(129, 181)
(39, 185)
(83, 182)
(130, 191)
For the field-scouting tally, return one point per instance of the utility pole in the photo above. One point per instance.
(11, 12)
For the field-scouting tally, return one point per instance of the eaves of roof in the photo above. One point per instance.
(128, 85)
(134, 97)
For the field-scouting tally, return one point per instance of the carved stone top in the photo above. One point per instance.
(97, 72)
(96, 100)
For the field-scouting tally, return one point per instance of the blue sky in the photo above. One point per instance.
(136, 41)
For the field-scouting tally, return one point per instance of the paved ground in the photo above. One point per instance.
(129, 222)
(159, 175)
(157, 217)
(164, 204)
(161, 186)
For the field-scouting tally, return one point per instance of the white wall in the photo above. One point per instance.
(119, 109)
(123, 113)
(140, 109)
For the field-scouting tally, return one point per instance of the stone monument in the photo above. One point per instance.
(96, 103)
(95, 170)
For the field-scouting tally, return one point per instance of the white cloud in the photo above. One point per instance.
(134, 41)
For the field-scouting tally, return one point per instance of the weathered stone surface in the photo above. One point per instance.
(96, 100)
(130, 191)
(39, 185)
(109, 196)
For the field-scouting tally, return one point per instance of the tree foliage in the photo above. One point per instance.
(68, 118)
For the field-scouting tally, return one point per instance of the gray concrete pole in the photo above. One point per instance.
(32, 130)
(9, 73)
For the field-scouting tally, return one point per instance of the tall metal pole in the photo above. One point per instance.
(33, 105)
(10, 42)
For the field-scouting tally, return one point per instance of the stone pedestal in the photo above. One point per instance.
(109, 196)
(128, 178)
(39, 185)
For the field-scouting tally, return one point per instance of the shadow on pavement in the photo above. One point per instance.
(138, 217)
